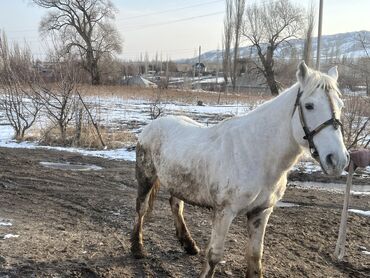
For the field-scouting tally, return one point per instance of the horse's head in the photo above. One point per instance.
(316, 118)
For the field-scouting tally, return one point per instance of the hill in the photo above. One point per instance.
(336, 46)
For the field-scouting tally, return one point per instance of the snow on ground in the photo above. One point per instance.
(70, 166)
(281, 204)
(120, 113)
(10, 236)
(116, 112)
(307, 167)
(332, 187)
(360, 212)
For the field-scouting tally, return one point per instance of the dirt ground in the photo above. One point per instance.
(77, 224)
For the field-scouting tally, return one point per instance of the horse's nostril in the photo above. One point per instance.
(330, 160)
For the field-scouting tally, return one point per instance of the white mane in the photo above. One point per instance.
(318, 79)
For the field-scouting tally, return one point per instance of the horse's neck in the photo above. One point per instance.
(274, 120)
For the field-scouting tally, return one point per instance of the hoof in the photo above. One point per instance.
(191, 248)
(138, 252)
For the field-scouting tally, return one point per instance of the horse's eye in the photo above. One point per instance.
(309, 106)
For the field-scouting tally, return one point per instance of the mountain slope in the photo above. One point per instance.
(337, 45)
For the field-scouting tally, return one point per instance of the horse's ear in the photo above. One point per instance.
(333, 72)
(302, 73)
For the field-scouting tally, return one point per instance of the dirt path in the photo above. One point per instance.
(77, 224)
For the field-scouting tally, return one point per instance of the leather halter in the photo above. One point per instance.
(334, 121)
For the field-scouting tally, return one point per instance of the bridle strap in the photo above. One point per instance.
(336, 123)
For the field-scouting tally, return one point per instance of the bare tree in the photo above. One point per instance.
(364, 62)
(61, 99)
(267, 26)
(227, 40)
(18, 78)
(356, 121)
(239, 7)
(83, 26)
(310, 25)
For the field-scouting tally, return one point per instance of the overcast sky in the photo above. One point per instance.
(174, 28)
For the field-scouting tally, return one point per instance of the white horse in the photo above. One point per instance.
(240, 164)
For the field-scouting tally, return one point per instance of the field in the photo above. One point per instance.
(67, 222)
(77, 224)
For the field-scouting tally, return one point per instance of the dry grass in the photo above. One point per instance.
(191, 97)
(88, 138)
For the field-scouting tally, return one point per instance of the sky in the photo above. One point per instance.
(172, 28)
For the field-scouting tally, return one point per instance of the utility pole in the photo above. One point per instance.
(217, 64)
(160, 71)
(319, 36)
(200, 51)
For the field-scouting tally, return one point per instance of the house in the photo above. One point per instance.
(139, 81)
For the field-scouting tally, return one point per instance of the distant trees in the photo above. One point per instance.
(83, 26)
(364, 62)
(267, 26)
(233, 24)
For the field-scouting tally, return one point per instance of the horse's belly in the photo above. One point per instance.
(188, 188)
(193, 199)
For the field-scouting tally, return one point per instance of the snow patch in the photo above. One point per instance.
(332, 187)
(355, 193)
(281, 204)
(10, 236)
(69, 166)
(6, 224)
(360, 212)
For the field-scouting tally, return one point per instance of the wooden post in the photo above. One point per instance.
(341, 242)
(92, 120)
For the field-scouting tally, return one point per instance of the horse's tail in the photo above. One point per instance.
(153, 194)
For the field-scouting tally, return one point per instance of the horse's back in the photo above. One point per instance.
(171, 128)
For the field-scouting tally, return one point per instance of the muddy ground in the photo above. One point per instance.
(77, 224)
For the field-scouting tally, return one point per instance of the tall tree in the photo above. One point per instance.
(84, 26)
(310, 24)
(239, 7)
(267, 26)
(227, 40)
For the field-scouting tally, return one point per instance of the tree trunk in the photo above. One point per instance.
(18, 135)
(62, 130)
(92, 66)
(268, 64)
(95, 75)
(271, 82)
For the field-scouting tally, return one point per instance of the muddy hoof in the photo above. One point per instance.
(138, 252)
(192, 249)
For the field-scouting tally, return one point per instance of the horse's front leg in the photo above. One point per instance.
(256, 229)
(215, 250)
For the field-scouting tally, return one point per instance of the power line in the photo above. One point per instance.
(170, 10)
(174, 21)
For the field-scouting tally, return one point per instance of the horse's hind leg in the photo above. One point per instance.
(182, 232)
(148, 184)
(142, 205)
